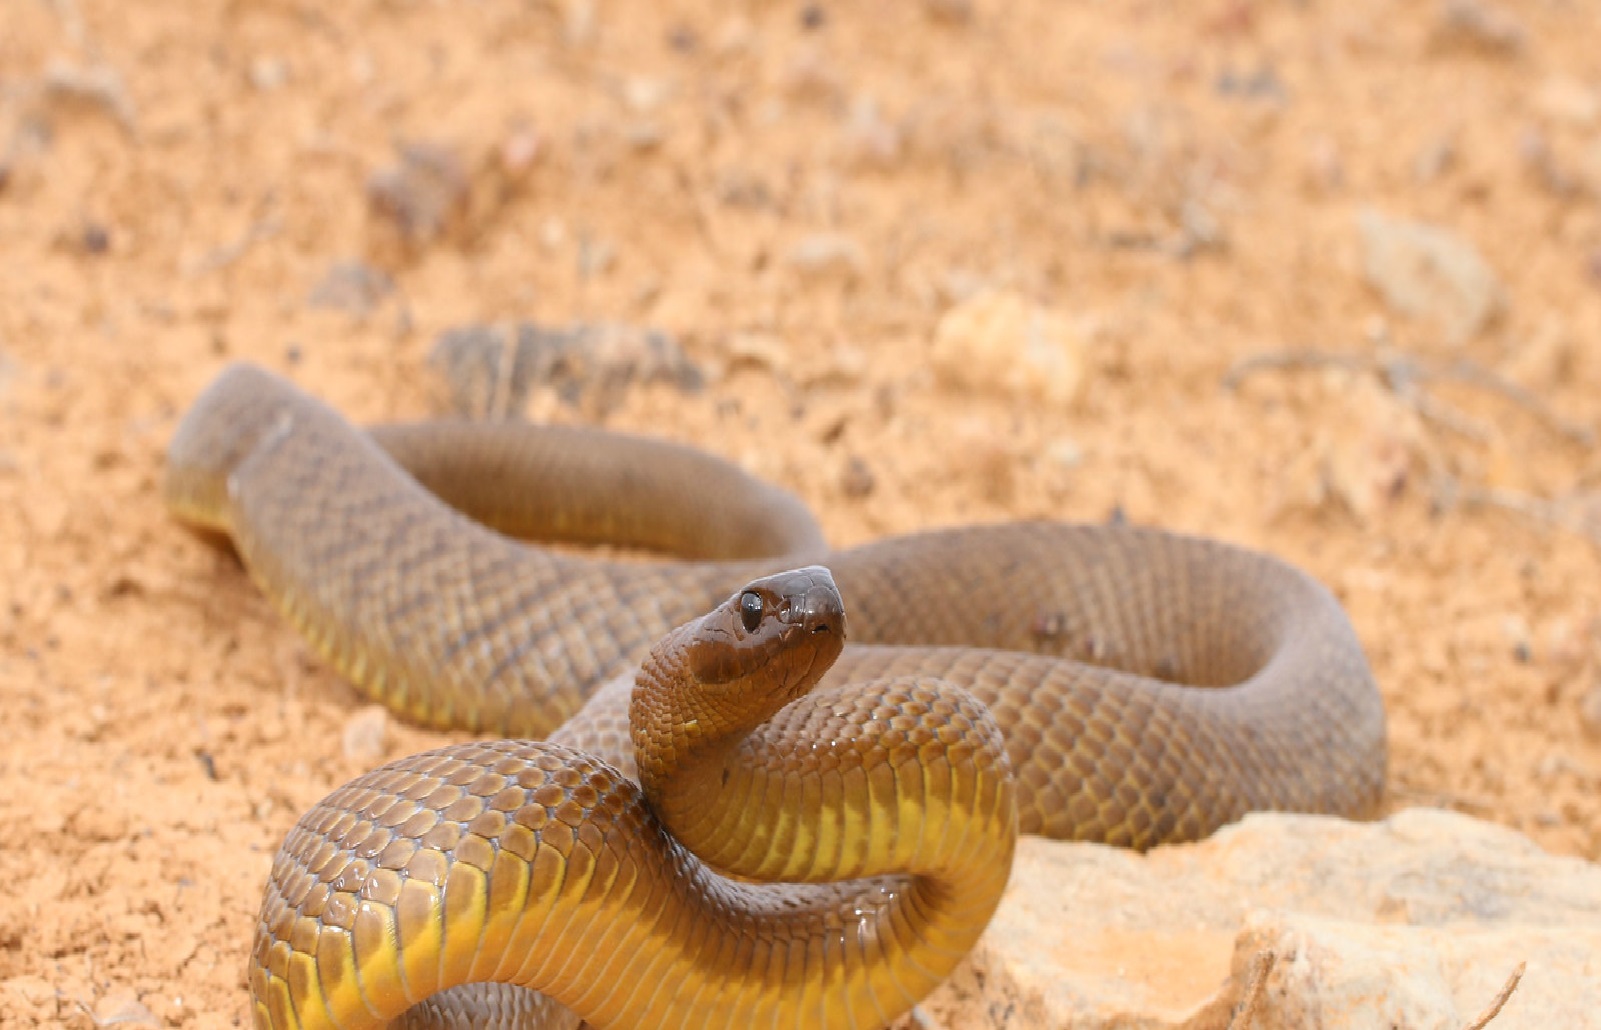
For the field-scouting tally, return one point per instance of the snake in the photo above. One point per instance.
(689, 814)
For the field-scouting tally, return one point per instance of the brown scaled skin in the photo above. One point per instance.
(531, 864)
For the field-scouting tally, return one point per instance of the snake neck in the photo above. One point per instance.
(682, 738)
(899, 776)
(709, 683)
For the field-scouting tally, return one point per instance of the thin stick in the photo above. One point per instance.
(1550, 512)
(1289, 359)
(225, 255)
(1477, 375)
(1500, 999)
(1400, 373)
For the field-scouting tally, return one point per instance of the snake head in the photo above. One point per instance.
(711, 681)
(773, 639)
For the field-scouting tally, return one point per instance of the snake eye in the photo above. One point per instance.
(750, 610)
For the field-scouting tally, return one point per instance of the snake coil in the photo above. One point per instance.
(1147, 687)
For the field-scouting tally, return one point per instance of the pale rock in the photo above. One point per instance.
(843, 365)
(734, 38)
(100, 820)
(1333, 972)
(1480, 25)
(644, 135)
(1423, 271)
(827, 254)
(121, 1007)
(872, 139)
(1568, 100)
(518, 152)
(1065, 452)
(762, 350)
(998, 342)
(1415, 921)
(364, 734)
(580, 17)
(268, 73)
(1590, 711)
(644, 95)
(811, 75)
(1590, 170)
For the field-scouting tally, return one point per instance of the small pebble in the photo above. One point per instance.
(364, 734)
(1569, 101)
(952, 11)
(519, 151)
(1478, 24)
(122, 1008)
(1424, 271)
(268, 73)
(683, 39)
(1065, 452)
(420, 192)
(827, 253)
(762, 350)
(352, 286)
(1590, 711)
(96, 239)
(856, 480)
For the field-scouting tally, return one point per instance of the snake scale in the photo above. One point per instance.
(1072, 655)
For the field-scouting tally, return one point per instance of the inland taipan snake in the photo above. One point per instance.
(1034, 676)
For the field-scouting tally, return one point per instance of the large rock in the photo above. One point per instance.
(1414, 922)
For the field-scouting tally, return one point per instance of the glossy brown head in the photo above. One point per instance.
(715, 678)
(775, 637)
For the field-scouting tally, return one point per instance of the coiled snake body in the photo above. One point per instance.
(542, 864)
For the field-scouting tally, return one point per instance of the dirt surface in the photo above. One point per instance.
(798, 195)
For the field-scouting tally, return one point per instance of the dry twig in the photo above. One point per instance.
(1499, 1000)
(221, 257)
(1405, 378)
(1403, 374)
(1477, 375)
(1563, 513)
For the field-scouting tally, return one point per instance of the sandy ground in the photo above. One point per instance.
(798, 194)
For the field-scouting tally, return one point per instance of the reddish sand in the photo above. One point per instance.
(797, 194)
